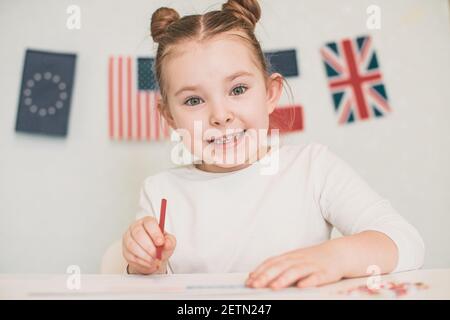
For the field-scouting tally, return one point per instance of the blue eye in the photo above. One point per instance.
(195, 99)
(239, 92)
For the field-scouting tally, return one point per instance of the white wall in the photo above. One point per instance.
(63, 201)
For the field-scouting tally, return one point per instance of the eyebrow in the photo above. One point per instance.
(229, 78)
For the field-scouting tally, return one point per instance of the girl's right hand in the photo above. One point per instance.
(139, 244)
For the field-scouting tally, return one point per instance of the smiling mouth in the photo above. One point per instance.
(227, 138)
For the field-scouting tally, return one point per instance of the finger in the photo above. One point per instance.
(270, 273)
(143, 239)
(263, 266)
(137, 268)
(152, 228)
(169, 247)
(312, 280)
(129, 256)
(136, 249)
(292, 275)
(135, 260)
(287, 255)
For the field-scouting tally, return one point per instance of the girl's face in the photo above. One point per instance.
(220, 99)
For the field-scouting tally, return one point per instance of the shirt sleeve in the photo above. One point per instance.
(350, 205)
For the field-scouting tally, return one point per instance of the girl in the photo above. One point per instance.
(234, 216)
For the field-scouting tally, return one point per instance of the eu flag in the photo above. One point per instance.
(45, 93)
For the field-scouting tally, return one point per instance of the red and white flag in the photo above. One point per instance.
(132, 101)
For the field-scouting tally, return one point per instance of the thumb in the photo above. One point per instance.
(169, 246)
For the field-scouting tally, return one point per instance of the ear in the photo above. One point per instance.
(165, 112)
(274, 86)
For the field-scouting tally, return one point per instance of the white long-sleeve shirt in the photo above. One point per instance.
(233, 221)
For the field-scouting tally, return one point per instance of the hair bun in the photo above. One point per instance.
(248, 10)
(161, 20)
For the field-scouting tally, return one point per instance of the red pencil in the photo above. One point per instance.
(162, 218)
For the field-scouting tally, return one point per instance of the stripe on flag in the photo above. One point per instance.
(132, 103)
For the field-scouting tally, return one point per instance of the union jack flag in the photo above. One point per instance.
(132, 100)
(355, 79)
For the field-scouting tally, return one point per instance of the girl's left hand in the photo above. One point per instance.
(306, 267)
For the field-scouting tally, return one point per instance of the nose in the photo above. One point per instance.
(220, 117)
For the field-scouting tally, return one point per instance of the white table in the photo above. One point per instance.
(203, 286)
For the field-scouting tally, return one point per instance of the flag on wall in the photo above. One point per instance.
(45, 93)
(133, 94)
(286, 118)
(355, 80)
(132, 101)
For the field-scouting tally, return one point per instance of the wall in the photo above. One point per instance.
(63, 201)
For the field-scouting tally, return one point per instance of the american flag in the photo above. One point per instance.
(355, 79)
(132, 100)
